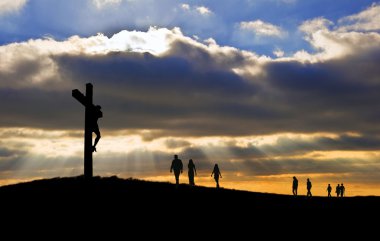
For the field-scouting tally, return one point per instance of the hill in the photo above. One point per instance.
(116, 191)
(105, 203)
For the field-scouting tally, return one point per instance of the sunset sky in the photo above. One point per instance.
(268, 89)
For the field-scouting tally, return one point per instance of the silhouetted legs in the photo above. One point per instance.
(329, 194)
(308, 193)
(97, 133)
(217, 180)
(295, 191)
(191, 178)
(176, 174)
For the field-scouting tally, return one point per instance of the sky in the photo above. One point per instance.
(268, 89)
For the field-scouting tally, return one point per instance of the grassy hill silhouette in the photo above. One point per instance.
(110, 203)
(117, 192)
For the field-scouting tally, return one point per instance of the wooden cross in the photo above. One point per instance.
(89, 107)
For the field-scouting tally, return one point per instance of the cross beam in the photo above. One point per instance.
(86, 101)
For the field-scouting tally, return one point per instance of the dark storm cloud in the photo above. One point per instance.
(174, 143)
(40, 108)
(192, 91)
(283, 148)
(304, 166)
(5, 152)
(338, 95)
(200, 96)
(291, 146)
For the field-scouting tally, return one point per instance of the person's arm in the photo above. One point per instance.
(220, 174)
(171, 167)
(181, 167)
(195, 170)
(212, 173)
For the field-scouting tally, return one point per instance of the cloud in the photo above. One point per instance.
(164, 81)
(11, 6)
(333, 43)
(314, 25)
(175, 143)
(278, 53)
(308, 166)
(367, 20)
(261, 28)
(185, 6)
(203, 10)
(103, 3)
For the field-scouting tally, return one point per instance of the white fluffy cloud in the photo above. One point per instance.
(39, 54)
(202, 10)
(103, 3)
(9, 6)
(279, 52)
(367, 20)
(185, 6)
(261, 28)
(331, 40)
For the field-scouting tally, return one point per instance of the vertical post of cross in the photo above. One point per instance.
(86, 101)
(88, 133)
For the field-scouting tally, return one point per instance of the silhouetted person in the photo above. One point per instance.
(295, 186)
(342, 190)
(192, 171)
(329, 188)
(216, 173)
(177, 166)
(96, 113)
(337, 190)
(308, 186)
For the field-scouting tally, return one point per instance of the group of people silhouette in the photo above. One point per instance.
(340, 189)
(95, 114)
(177, 167)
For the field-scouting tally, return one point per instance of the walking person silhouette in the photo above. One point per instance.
(342, 190)
(191, 172)
(295, 186)
(216, 172)
(329, 188)
(96, 113)
(337, 190)
(308, 186)
(177, 166)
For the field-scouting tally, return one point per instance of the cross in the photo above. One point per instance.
(86, 100)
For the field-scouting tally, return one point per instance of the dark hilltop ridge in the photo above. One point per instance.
(111, 204)
(119, 193)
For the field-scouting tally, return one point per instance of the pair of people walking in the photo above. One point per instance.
(295, 187)
(339, 190)
(177, 167)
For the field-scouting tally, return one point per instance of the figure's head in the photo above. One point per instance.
(341, 184)
(308, 179)
(294, 177)
(191, 161)
(175, 156)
